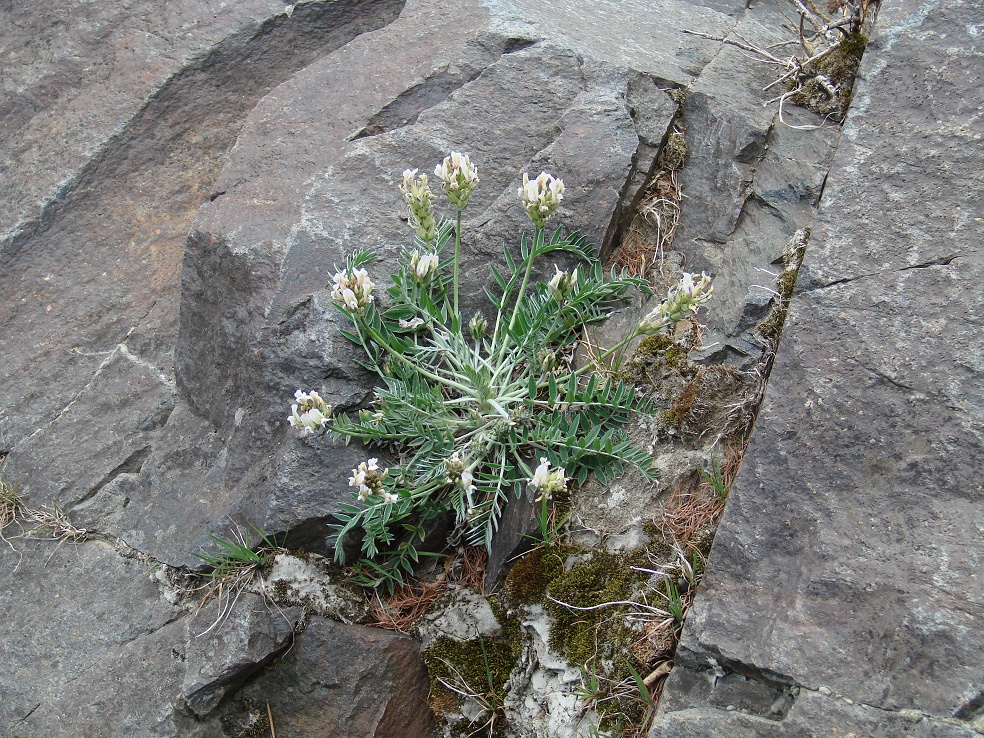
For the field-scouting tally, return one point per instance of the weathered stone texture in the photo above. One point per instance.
(289, 125)
(849, 558)
(312, 176)
(89, 643)
(346, 682)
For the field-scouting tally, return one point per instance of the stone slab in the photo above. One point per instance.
(850, 553)
(255, 318)
(345, 682)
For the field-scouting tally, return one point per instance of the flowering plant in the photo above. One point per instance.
(466, 406)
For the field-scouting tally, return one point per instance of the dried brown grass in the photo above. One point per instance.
(644, 246)
(399, 611)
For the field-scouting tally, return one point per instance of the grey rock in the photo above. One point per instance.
(100, 187)
(255, 318)
(811, 716)
(749, 184)
(519, 531)
(850, 551)
(239, 643)
(345, 682)
(69, 611)
(94, 643)
(306, 580)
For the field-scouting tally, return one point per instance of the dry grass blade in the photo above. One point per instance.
(11, 506)
(660, 208)
(399, 611)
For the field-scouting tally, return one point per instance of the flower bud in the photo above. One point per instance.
(417, 195)
(562, 284)
(477, 326)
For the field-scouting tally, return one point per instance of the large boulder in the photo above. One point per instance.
(847, 566)
(313, 175)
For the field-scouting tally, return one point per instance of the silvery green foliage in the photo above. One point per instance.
(466, 407)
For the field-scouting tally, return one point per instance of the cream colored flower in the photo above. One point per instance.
(546, 482)
(417, 195)
(541, 196)
(309, 413)
(353, 290)
(682, 300)
(368, 478)
(460, 177)
(423, 265)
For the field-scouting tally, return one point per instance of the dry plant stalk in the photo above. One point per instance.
(660, 207)
(813, 73)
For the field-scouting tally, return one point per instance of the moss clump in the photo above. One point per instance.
(656, 357)
(479, 668)
(840, 67)
(598, 639)
(528, 579)
(673, 155)
(600, 577)
(770, 329)
(683, 405)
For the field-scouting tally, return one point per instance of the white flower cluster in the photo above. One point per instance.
(681, 300)
(562, 284)
(417, 195)
(353, 290)
(423, 265)
(368, 479)
(412, 324)
(460, 178)
(541, 196)
(546, 482)
(309, 413)
(456, 472)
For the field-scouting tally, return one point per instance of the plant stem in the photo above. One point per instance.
(537, 242)
(457, 259)
(412, 364)
(601, 359)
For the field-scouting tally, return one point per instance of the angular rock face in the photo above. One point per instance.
(344, 682)
(145, 372)
(847, 568)
(312, 176)
(90, 642)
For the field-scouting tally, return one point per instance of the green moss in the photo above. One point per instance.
(479, 667)
(701, 542)
(598, 639)
(248, 721)
(770, 329)
(654, 358)
(600, 577)
(840, 67)
(528, 579)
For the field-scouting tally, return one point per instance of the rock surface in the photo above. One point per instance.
(847, 567)
(91, 641)
(345, 682)
(145, 372)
